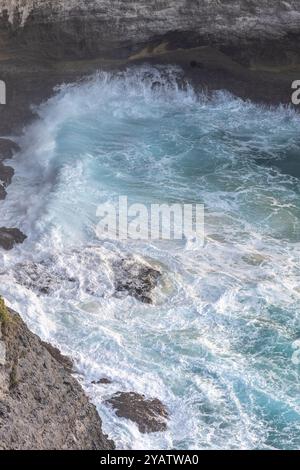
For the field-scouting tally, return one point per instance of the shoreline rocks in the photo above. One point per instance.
(150, 415)
(133, 276)
(7, 149)
(42, 406)
(9, 237)
(103, 381)
(135, 279)
(6, 175)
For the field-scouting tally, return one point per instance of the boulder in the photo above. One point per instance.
(9, 237)
(136, 279)
(103, 381)
(149, 414)
(6, 174)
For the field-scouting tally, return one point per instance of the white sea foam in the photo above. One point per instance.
(216, 346)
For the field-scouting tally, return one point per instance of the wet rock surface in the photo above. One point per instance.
(80, 29)
(2, 192)
(131, 276)
(6, 174)
(136, 279)
(41, 405)
(149, 414)
(9, 237)
(65, 361)
(42, 277)
(103, 381)
(7, 149)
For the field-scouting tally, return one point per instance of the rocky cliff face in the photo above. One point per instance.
(249, 47)
(41, 405)
(60, 28)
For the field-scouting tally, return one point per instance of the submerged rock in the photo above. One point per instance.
(149, 414)
(131, 276)
(41, 405)
(52, 275)
(43, 277)
(9, 237)
(254, 259)
(136, 279)
(103, 381)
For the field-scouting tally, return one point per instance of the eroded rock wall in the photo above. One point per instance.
(60, 28)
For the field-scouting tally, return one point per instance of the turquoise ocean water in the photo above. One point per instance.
(216, 346)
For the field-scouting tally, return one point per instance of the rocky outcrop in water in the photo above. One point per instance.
(135, 279)
(6, 174)
(9, 237)
(149, 414)
(132, 276)
(41, 405)
(102, 381)
(7, 149)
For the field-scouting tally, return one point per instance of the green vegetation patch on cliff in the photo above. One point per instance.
(4, 313)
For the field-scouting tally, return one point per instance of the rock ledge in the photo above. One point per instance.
(41, 405)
